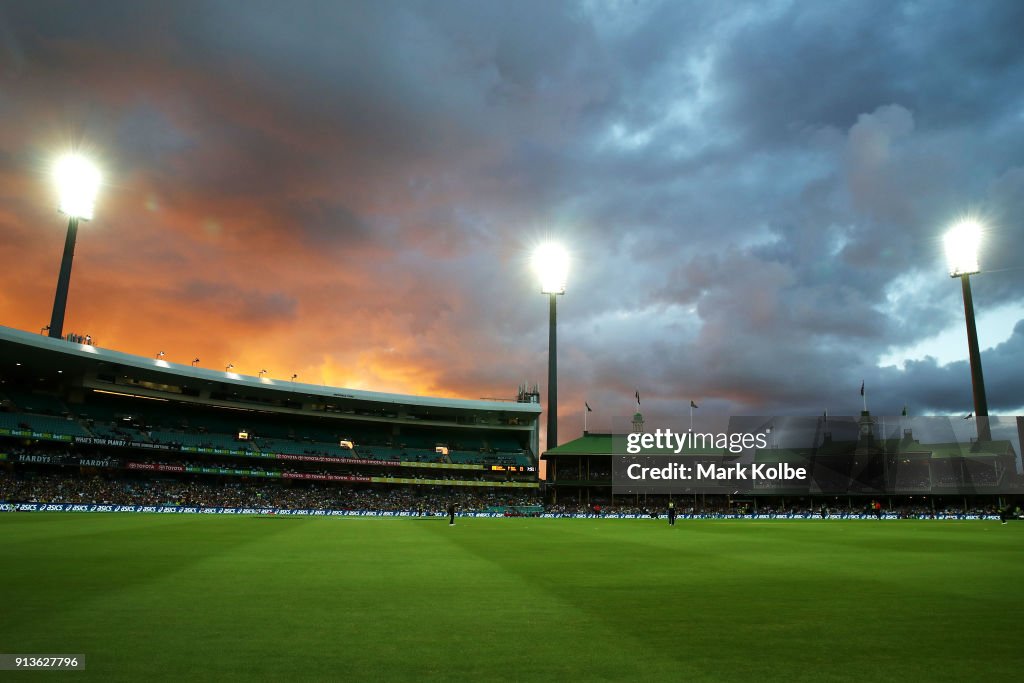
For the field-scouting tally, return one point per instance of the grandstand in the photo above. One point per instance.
(73, 410)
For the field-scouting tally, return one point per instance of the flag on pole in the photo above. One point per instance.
(589, 409)
(969, 415)
(638, 397)
(693, 405)
(904, 411)
(862, 387)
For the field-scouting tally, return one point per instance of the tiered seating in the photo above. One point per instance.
(30, 402)
(466, 457)
(115, 417)
(212, 424)
(99, 411)
(317, 433)
(11, 420)
(292, 447)
(381, 453)
(419, 441)
(272, 430)
(112, 431)
(225, 441)
(42, 423)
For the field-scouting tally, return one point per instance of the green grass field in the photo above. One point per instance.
(182, 597)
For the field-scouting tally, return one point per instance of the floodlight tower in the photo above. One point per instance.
(962, 242)
(78, 181)
(551, 264)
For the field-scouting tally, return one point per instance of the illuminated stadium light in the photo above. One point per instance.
(346, 443)
(551, 265)
(443, 450)
(78, 182)
(243, 434)
(962, 243)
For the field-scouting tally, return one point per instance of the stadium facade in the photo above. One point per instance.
(75, 415)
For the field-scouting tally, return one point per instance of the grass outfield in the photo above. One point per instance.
(188, 597)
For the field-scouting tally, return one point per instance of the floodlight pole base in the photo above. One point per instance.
(977, 377)
(60, 299)
(552, 434)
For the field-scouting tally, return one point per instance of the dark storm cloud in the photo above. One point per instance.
(815, 64)
(753, 192)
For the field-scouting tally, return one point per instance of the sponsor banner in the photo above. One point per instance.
(328, 458)
(155, 446)
(324, 477)
(154, 467)
(124, 443)
(444, 465)
(613, 515)
(215, 451)
(456, 482)
(310, 476)
(380, 463)
(29, 434)
(230, 472)
(108, 463)
(101, 441)
(179, 509)
(255, 454)
(71, 460)
(41, 459)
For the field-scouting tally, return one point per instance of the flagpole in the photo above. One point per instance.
(691, 416)
(585, 411)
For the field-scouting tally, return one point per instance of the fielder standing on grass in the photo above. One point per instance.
(451, 514)
(671, 513)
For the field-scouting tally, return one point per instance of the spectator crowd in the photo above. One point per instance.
(56, 488)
